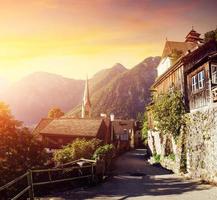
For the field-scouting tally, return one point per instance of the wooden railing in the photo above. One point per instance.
(79, 169)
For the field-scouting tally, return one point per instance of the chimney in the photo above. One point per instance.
(112, 117)
(103, 115)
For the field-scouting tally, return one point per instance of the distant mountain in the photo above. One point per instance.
(32, 97)
(105, 76)
(98, 82)
(117, 89)
(125, 94)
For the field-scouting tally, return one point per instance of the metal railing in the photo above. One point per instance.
(84, 169)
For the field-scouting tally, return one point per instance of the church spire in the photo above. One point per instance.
(86, 105)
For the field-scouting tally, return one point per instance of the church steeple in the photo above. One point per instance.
(193, 37)
(86, 105)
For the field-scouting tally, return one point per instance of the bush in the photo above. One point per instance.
(105, 152)
(80, 148)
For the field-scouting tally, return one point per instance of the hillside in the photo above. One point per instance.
(98, 82)
(126, 94)
(116, 89)
(32, 97)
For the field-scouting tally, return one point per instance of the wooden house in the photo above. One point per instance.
(193, 72)
(201, 74)
(60, 132)
(171, 68)
(124, 135)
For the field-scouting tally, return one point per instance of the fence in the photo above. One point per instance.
(79, 169)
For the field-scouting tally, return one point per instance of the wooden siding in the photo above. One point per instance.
(200, 97)
(176, 78)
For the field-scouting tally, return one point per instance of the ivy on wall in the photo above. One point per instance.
(168, 111)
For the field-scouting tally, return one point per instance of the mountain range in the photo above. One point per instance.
(125, 92)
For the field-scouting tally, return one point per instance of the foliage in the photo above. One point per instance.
(211, 35)
(168, 111)
(145, 128)
(156, 158)
(55, 113)
(105, 152)
(80, 148)
(19, 150)
(171, 156)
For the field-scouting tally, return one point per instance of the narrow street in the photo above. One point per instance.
(134, 178)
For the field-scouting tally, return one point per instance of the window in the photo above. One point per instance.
(198, 81)
(124, 137)
(214, 73)
(194, 83)
(201, 79)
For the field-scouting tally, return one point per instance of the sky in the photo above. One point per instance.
(78, 37)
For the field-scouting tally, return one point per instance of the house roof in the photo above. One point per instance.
(120, 125)
(41, 125)
(170, 46)
(73, 127)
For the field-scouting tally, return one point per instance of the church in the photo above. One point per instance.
(60, 132)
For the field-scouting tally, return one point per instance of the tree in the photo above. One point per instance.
(211, 35)
(168, 110)
(55, 113)
(19, 150)
(143, 125)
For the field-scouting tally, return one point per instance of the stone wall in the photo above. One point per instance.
(158, 144)
(201, 140)
(199, 143)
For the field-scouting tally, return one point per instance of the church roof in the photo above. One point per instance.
(170, 46)
(73, 127)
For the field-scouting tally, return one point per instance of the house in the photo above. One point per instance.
(172, 74)
(201, 74)
(194, 73)
(124, 135)
(171, 68)
(60, 132)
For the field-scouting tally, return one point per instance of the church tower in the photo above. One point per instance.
(86, 105)
(194, 37)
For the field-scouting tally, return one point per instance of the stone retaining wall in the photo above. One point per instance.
(200, 146)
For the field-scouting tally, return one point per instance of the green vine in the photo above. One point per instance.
(168, 111)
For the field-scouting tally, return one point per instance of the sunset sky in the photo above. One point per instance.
(78, 37)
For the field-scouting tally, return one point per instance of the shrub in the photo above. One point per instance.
(80, 148)
(105, 152)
